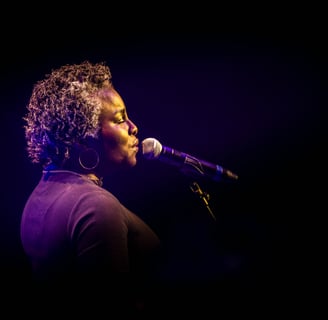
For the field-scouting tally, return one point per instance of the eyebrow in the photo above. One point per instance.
(121, 113)
(120, 110)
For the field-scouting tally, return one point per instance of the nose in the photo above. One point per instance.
(133, 128)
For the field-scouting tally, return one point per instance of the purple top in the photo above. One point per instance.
(72, 228)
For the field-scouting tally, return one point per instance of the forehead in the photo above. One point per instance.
(112, 101)
(110, 95)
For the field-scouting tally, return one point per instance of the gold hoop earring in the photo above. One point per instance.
(89, 159)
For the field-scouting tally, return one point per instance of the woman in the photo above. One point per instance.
(76, 234)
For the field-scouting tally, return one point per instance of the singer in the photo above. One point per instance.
(83, 245)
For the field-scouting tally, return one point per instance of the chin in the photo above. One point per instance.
(133, 163)
(130, 163)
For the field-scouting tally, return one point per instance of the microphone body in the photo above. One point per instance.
(189, 165)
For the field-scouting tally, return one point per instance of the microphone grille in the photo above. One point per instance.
(151, 148)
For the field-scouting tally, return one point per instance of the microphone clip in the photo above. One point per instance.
(204, 196)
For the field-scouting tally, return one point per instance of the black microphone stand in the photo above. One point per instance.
(204, 196)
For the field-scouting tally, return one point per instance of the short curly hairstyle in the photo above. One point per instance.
(64, 110)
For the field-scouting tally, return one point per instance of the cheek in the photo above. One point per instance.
(114, 139)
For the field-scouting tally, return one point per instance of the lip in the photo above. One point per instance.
(136, 145)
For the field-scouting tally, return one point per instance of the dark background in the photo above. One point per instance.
(246, 95)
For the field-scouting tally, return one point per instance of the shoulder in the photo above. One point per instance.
(96, 205)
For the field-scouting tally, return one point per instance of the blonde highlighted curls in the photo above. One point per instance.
(64, 110)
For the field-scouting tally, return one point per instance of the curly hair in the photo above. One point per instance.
(64, 110)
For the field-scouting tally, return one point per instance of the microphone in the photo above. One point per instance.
(189, 165)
